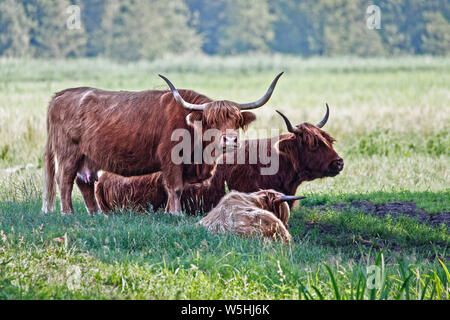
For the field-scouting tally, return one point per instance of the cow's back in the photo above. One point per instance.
(119, 130)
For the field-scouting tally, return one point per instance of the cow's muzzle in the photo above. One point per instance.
(229, 142)
(335, 167)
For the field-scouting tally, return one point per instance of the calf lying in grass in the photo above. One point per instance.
(264, 213)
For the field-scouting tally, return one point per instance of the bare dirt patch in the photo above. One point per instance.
(394, 209)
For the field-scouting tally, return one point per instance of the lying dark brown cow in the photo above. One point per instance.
(263, 213)
(305, 154)
(130, 133)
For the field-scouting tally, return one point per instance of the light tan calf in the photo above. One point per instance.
(264, 213)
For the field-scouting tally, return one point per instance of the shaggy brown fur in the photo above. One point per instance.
(303, 156)
(116, 192)
(128, 133)
(260, 213)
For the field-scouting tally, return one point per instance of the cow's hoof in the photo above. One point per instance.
(98, 213)
(177, 213)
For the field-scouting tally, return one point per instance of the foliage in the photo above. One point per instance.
(147, 29)
(436, 39)
(248, 27)
(138, 29)
(49, 35)
(15, 29)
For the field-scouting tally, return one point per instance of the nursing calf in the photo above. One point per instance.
(114, 192)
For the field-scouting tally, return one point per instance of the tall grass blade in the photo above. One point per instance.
(317, 291)
(333, 282)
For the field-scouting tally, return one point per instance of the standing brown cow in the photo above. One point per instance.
(305, 154)
(130, 133)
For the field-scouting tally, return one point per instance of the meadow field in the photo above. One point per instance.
(387, 211)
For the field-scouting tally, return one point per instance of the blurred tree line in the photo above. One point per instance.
(145, 29)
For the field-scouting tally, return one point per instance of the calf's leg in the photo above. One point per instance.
(87, 191)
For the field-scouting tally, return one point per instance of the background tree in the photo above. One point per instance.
(292, 27)
(147, 29)
(92, 16)
(436, 38)
(49, 34)
(247, 27)
(209, 17)
(15, 29)
(405, 23)
(345, 30)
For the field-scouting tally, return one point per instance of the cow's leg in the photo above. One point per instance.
(87, 191)
(174, 202)
(174, 187)
(67, 172)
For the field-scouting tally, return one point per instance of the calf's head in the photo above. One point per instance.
(311, 150)
(227, 117)
(276, 202)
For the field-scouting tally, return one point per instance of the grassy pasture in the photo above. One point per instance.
(390, 118)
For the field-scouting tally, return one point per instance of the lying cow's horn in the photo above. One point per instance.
(264, 99)
(180, 100)
(288, 123)
(291, 198)
(325, 119)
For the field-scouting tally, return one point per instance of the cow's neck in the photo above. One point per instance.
(290, 179)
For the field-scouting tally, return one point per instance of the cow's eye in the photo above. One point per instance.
(314, 145)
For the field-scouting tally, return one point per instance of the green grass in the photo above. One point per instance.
(390, 118)
(156, 256)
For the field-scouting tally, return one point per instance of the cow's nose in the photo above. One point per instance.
(338, 164)
(230, 140)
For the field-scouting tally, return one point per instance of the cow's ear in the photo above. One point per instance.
(287, 144)
(193, 118)
(284, 212)
(299, 132)
(248, 117)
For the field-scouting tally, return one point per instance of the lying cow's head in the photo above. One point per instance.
(225, 116)
(311, 150)
(276, 202)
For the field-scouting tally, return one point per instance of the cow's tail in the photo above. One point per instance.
(49, 193)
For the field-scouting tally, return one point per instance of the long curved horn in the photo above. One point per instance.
(180, 100)
(288, 123)
(325, 119)
(291, 198)
(264, 99)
